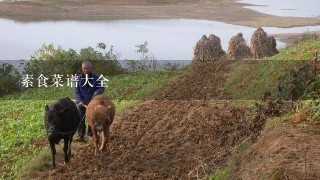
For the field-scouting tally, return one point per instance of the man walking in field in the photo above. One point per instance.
(88, 86)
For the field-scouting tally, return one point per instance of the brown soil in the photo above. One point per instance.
(219, 10)
(187, 136)
(284, 152)
(205, 83)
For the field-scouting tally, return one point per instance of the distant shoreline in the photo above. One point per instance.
(228, 11)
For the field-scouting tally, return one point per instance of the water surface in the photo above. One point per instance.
(286, 8)
(167, 39)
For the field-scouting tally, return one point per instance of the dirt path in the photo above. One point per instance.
(219, 10)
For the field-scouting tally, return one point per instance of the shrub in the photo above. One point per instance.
(9, 79)
(49, 60)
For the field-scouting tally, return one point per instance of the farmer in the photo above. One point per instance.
(88, 86)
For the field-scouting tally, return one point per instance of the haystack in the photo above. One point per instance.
(272, 46)
(238, 48)
(262, 45)
(208, 49)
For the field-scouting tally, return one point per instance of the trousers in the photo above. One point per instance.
(82, 126)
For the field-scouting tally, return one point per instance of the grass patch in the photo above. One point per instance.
(274, 123)
(122, 87)
(138, 86)
(220, 175)
(252, 78)
(43, 161)
(301, 51)
(21, 123)
(39, 161)
(233, 161)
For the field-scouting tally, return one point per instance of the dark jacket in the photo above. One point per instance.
(84, 92)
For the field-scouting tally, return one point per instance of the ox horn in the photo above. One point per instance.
(103, 141)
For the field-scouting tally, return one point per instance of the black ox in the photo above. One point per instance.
(61, 120)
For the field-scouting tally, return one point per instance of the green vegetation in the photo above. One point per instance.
(121, 87)
(302, 51)
(219, 175)
(258, 78)
(21, 123)
(311, 108)
(11, 82)
(50, 60)
(21, 114)
(224, 173)
(292, 67)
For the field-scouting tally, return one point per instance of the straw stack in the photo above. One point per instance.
(238, 48)
(262, 45)
(208, 49)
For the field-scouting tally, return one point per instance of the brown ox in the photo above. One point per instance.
(99, 115)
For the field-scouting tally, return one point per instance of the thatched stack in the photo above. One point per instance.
(262, 45)
(208, 49)
(238, 48)
(272, 46)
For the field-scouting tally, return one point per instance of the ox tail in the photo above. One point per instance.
(104, 141)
